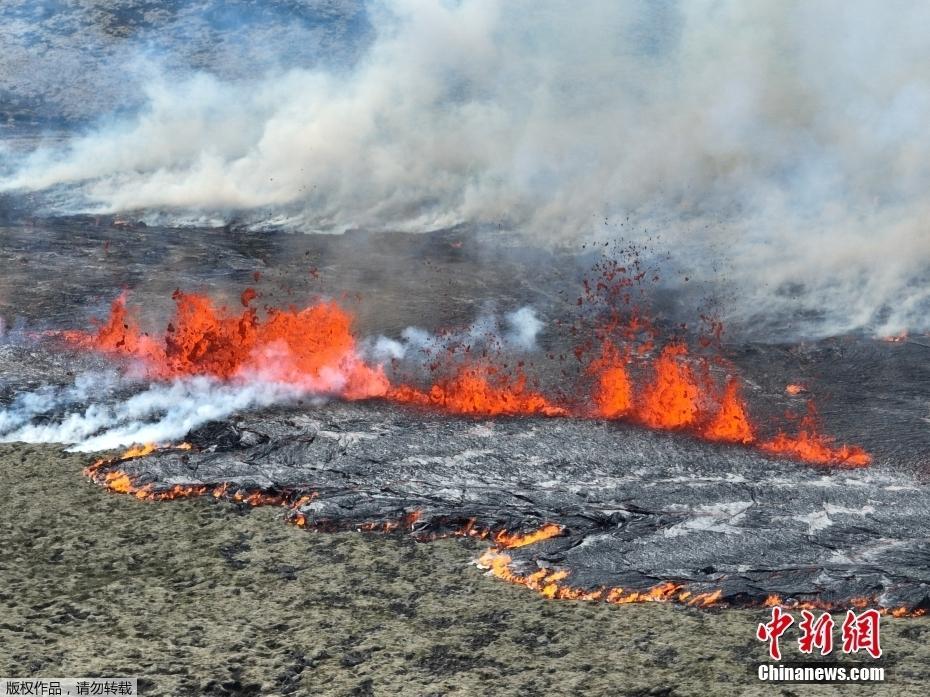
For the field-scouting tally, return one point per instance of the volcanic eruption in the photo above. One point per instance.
(314, 349)
(613, 289)
(474, 408)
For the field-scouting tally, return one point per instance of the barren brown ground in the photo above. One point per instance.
(205, 598)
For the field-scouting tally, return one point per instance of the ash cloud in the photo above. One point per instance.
(781, 142)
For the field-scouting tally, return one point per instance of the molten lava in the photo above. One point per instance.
(480, 390)
(731, 423)
(673, 399)
(120, 334)
(102, 472)
(313, 348)
(613, 391)
(550, 584)
(814, 447)
(405, 522)
(139, 451)
(509, 540)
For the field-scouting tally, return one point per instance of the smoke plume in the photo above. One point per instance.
(778, 147)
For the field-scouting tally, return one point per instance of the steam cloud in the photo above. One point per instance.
(92, 415)
(784, 142)
(517, 332)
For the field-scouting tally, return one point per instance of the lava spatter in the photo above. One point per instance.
(673, 399)
(613, 390)
(731, 422)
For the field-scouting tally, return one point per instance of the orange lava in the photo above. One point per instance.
(480, 390)
(120, 482)
(312, 348)
(731, 423)
(120, 334)
(858, 603)
(550, 583)
(139, 451)
(613, 391)
(512, 540)
(794, 390)
(814, 447)
(672, 400)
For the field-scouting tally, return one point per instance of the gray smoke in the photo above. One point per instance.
(781, 142)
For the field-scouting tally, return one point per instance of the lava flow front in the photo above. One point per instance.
(550, 582)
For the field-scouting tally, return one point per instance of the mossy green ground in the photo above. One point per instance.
(207, 598)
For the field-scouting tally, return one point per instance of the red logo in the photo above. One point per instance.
(816, 634)
(860, 632)
(771, 631)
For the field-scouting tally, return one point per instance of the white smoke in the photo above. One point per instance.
(28, 405)
(91, 416)
(515, 332)
(783, 142)
(523, 326)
